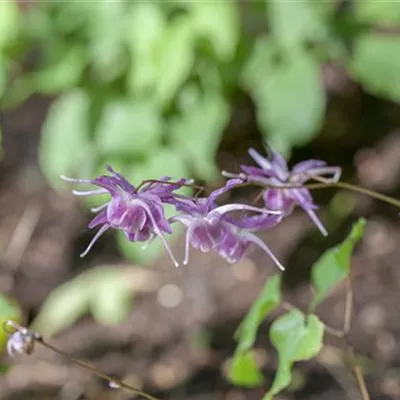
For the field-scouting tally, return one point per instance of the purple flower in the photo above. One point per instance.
(275, 172)
(138, 212)
(210, 227)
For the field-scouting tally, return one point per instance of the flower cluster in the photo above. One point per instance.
(227, 229)
(284, 188)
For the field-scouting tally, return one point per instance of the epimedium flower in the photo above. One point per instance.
(211, 227)
(275, 172)
(137, 211)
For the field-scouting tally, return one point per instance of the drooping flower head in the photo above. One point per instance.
(275, 172)
(138, 212)
(211, 227)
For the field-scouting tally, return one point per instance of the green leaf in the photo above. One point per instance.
(175, 59)
(295, 338)
(376, 64)
(197, 131)
(62, 75)
(145, 33)
(9, 310)
(129, 128)
(111, 296)
(377, 12)
(104, 291)
(63, 307)
(289, 95)
(334, 265)
(64, 141)
(295, 22)
(9, 22)
(106, 30)
(244, 371)
(219, 23)
(267, 300)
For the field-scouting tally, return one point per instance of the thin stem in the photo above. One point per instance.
(359, 376)
(91, 368)
(348, 308)
(191, 185)
(358, 189)
(29, 337)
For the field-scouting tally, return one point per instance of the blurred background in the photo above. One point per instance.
(184, 88)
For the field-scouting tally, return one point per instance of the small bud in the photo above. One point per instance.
(114, 385)
(21, 341)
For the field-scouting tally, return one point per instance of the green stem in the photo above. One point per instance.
(357, 189)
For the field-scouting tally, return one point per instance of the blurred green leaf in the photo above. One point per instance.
(147, 25)
(9, 310)
(71, 16)
(64, 139)
(377, 12)
(3, 368)
(175, 59)
(103, 290)
(111, 297)
(289, 95)
(3, 76)
(63, 307)
(106, 30)
(244, 370)
(334, 265)
(267, 300)
(129, 128)
(376, 64)
(162, 162)
(295, 22)
(62, 75)
(219, 23)
(9, 22)
(296, 338)
(197, 132)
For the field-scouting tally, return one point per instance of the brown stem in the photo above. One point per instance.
(29, 336)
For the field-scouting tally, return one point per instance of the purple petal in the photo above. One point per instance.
(249, 170)
(278, 167)
(257, 222)
(277, 199)
(202, 239)
(100, 218)
(121, 181)
(230, 184)
(139, 236)
(253, 238)
(135, 220)
(157, 230)
(229, 246)
(117, 210)
(107, 182)
(304, 166)
(334, 171)
(308, 207)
